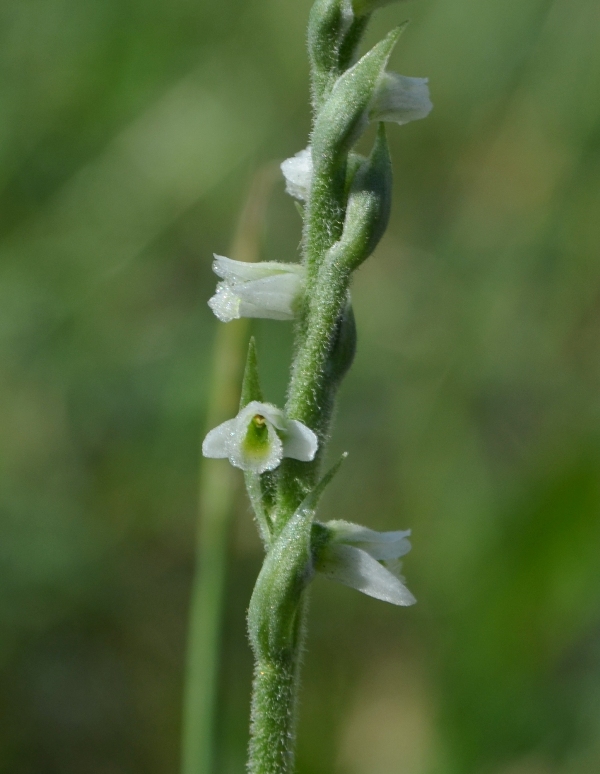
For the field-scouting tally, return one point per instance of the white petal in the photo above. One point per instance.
(357, 569)
(380, 545)
(270, 412)
(225, 303)
(274, 297)
(297, 171)
(400, 99)
(246, 271)
(217, 442)
(300, 442)
(267, 289)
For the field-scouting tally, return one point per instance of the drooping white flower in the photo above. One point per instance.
(401, 99)
(259, 438)
(365, 560)
(297, 171)
(266, 289)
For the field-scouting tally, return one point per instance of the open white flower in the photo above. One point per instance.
(266, 289)
(259, 438)
(365, 560)
(297, 171)
(400, 99)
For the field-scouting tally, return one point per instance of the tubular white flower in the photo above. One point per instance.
(267, 289)
(401, 99)
(259, 438)
(366, 560)
(297, 171)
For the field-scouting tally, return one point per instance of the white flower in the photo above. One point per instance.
(267, 289)
(297, 171)
(401, 99)
(259, 438)
(365, 560)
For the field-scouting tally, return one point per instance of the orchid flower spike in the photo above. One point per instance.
(267, 289)
(364, 559)
(259, 438)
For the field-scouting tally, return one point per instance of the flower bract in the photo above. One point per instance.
(366, 560)
(259, 438)
(267, 289)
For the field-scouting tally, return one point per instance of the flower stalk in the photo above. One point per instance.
(347, 202)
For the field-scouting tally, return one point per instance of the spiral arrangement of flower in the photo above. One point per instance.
(345, 201)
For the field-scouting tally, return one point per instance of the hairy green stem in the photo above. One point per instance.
(274, 707)
(343, 221)
(273, 712)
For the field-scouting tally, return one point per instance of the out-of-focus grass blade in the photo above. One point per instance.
(147, 177)
(218, 488)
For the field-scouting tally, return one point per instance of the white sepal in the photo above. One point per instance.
(298, 171)
(401, 99)
(358, 569)
(299, 441)
(268, 289)
(366, 560)
(259, 438)
(380, 545)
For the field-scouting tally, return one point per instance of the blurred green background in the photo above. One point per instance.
(129, 133)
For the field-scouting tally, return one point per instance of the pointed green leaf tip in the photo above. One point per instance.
(344, 115)
(368, 210)
(310, 502)
(251, 383)
(363, 7)
(369, 203)
(286, 572)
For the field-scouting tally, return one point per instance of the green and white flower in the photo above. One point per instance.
(364, 559)
(267, 289)
(259, 437)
